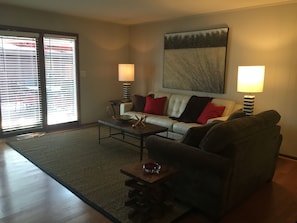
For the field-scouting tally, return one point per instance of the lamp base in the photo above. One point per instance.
(248, 104)
(126, 92)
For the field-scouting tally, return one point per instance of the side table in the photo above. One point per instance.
(148, 196)
(115, 104)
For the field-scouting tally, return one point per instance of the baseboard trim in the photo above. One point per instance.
(288, 156)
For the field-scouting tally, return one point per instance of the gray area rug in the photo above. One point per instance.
(91, 171)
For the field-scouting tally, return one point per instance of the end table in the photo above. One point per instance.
(148, 196)
(115, 103)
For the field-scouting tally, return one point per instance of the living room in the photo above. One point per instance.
(257, 36)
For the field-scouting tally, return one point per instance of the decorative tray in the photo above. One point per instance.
(122, 118)
(151, 167)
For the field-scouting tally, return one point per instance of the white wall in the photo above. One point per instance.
(264, 36)
(101, 47)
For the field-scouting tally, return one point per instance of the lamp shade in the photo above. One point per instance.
(126, 72)
(250, 79)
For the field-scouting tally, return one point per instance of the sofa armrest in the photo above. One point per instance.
(125, 107)
(184, 156)
(222, 118)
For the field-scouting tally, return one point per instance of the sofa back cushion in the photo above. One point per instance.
(223, 134)
(177, 104)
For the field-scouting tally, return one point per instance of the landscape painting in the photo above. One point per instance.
(196, 60)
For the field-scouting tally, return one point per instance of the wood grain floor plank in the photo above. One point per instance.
(28, 195)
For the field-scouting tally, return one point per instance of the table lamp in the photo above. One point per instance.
(126, 75)
(250, 80)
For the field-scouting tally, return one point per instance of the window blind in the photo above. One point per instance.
(20, 92)
(60, 75)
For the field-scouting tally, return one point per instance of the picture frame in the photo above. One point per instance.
(196, 60)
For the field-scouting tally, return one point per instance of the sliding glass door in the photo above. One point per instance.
(19, 84)
(60, 76)
(38, 81)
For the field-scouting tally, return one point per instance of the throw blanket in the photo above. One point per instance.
(194, 108)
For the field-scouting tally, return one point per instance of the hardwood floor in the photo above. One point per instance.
(27, 195)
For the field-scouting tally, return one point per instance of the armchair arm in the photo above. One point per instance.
(125, 107)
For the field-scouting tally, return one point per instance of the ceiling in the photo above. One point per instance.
(131, 12)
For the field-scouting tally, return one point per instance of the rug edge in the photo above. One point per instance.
(72, 190)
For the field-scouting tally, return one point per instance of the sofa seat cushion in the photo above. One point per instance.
(182, 127)
(160, 120)
(164, 121)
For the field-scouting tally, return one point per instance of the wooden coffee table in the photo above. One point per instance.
(148, 196)
(125, 128)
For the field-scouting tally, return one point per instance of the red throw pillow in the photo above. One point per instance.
(155, 105)
(210, 111)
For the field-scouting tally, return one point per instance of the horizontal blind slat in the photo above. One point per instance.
(19, 90)
(60, 72)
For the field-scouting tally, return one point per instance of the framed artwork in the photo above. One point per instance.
(196, 60)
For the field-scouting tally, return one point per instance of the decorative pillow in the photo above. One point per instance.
(210, 111)
(194, 108)
(236, 114)
(138, 102)
(195, 134)
(154, 105)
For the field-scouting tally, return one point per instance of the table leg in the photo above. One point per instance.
(113, 110)
(141, 147)
(99, 135)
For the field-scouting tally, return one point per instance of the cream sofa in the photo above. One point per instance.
(174, 107)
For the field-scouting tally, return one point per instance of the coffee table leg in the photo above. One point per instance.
(99, 127)
(141, 148)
